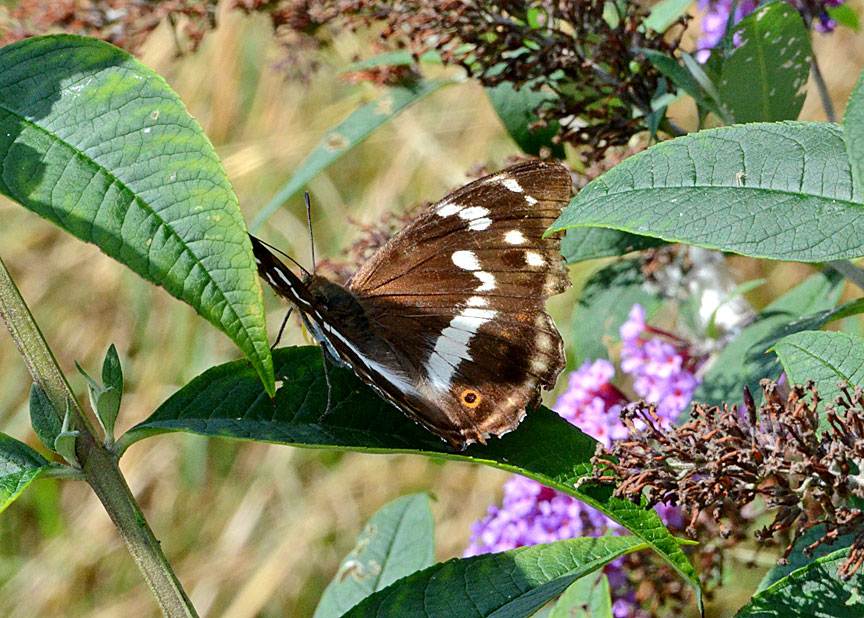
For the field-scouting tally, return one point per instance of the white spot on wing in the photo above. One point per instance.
(451, 347)
(487, 281)
(530, 200)
(477, 301)
(465, 260)
(473, 212)
(477, 217)
(539, 364)
(448, 210)
(514, 237)
(543, 342)
(512, 184)
(534, 259)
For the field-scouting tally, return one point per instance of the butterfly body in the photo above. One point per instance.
(447, 320)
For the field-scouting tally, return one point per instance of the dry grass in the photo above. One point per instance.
(252, 529)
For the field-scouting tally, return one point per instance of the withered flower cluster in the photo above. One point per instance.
(600, 84)
(583, 54)
(722, 460)
(125, 23)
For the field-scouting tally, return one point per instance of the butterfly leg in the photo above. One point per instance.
(329, 386)
(282, 328)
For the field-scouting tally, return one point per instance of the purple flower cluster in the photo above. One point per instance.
(531, 513)
(663, 374)
(717, 16)
(715, 20)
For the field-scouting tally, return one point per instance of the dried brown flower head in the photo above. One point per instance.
(588, 60)
(722, 460)
(125, 23)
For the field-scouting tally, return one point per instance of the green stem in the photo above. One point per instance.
(98, 465)
(822, 87)
(850, 271)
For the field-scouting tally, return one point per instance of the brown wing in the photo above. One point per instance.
(459, 297)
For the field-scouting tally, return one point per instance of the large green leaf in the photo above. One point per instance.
(227, 401)
(396, 542)
(775, 190)
(20, 465)
(765, 76)
(853, 131)
(589, 243)
(603, 306)
(99, 144)
(511, 584)
(359, 125)
(814, 591)
(744, 361)
(825, 357)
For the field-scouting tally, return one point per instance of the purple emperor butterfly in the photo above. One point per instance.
(447, 320)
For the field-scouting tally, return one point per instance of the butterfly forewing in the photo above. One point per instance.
(459, 295)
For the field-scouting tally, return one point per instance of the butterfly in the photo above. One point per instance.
(447, 320)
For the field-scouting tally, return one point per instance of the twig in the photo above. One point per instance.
(98, 465)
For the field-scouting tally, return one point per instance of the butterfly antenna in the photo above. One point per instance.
(282, 328)
(309, 223)
(285, 255)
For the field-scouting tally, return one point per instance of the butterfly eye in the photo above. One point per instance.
(471, 398)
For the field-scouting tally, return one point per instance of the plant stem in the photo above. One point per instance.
(822, 87)
(98, 465)
(850, 271)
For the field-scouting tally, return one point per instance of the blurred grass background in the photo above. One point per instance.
(254, 529)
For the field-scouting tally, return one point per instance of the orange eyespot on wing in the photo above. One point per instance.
(470, 398)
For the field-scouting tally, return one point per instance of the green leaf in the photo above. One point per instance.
(20, 465)
(604, 305)
(397, 541)
(589, 243)
(107, 408)
(665, 13)
(682, 78)
(744, 361)
(764, 78)
(844, 15)
(44, 418)
(517, 111)
(853, 131)
(511, 584)
(226, 401)
(706, 75)
(112, 372)
(775, 190)
(359, 125)
(814, 591)
(825, 357)
(587, 597)
(64, 443)
(99, 144)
